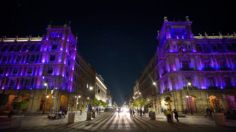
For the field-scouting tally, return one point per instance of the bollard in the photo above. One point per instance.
(16, 122)
(71, 117)
(89, 116)
(219, 119)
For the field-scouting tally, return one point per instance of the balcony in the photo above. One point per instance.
(166, 90)
(225, 68)
(213, 88)
(186, 69)
(208, 69)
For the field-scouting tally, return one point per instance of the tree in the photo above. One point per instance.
(95, 102)
(140, 102)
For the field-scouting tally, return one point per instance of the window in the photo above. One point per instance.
(4, 48)
(37, 48)
(214, 47)
(198, 48)
(32, 58)
(52, 57)
(18, 59)
(17, 48)
(206, 49)
(207, 64)
(1, 71)
(11, 48)
(4, 59)
(14, 71)
(54, 47)
(29, 71)
(37, 58)
(227, 81)
(24, 48)
(12, 84)
(185, 65)
(211, 81)
(223, 64)
(50, 70)
(31, 48)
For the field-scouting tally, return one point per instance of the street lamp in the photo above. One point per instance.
(46, 95)
(90, 88)
(189, 84)
(188, 96)
(154, 83)
(154, 98)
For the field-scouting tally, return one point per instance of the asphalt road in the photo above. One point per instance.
(123, 122)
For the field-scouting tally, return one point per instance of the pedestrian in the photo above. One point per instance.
(80, 111)
(176, 115)
(168, 115)
(207, 112)
(130, 112)
(140, 112)
(119, 110)
(97, 110)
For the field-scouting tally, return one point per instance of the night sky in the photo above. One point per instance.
(116, 37)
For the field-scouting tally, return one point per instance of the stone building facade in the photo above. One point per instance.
(194, 72)
(43, 73)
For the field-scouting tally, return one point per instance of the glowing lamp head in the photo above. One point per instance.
(90, 88)
(154, 83)
(189, 83)
(45, 84)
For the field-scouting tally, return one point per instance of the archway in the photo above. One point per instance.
(231, 101)
(191, 104)
(63, 101)
(214, 103)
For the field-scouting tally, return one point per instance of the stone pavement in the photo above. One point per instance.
(197, 120)
(190, 119)
(36, 120)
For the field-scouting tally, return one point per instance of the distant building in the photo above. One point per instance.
(192, 72)
(100, 89)
(109, 98)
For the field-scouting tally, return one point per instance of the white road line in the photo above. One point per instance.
(109, 122)
(101, 123)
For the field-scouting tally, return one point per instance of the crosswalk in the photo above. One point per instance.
(113, 121)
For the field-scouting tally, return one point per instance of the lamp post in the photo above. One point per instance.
(77, 101)
(153, 93)
(188, 96)
(89, 109)
(46, 97)
(32, 99)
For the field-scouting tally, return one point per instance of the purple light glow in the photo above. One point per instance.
(39, 68)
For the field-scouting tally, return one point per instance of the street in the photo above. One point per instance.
(124, 122)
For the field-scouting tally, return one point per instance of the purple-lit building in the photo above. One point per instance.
(191, 72)
(39, 71)
(196, 72)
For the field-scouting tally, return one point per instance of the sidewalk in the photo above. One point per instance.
(197, 120)
(36, 120)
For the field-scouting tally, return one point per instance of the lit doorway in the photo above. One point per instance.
(190, 104)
